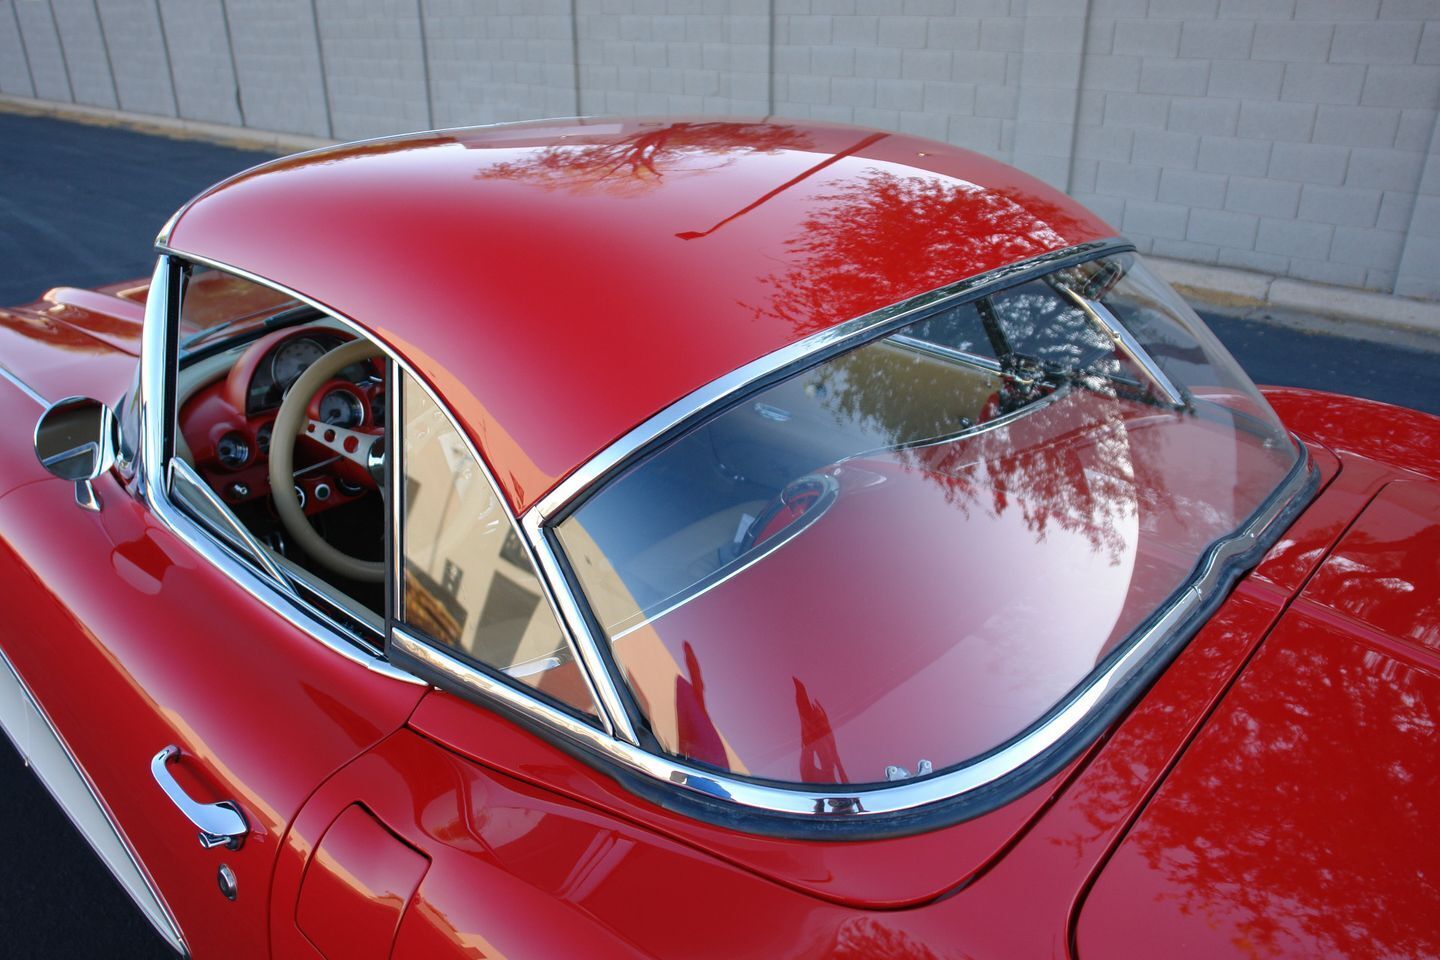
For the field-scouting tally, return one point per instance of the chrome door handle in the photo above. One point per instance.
(220, 824)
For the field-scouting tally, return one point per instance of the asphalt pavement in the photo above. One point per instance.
(80, 206)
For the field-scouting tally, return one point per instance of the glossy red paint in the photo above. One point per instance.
(1372, 577)
(132, 642)
(58, 359)
(1301, 821)
(1397, 438)
(1272, 794)
(717, 241)
(882, 874)
(357, 886)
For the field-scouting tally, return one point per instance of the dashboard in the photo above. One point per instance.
(228, 409)
(283, 363)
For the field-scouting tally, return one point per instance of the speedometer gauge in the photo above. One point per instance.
(292, 359)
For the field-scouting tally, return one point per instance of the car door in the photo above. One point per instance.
(186, 685)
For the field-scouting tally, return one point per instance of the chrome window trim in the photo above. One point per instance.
(985, 426)
(303, 615)
(947, 353)
(155, 347)
(185, 473)
(870, 800)
(1101, 316)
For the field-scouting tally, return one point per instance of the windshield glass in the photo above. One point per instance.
(220, 307)
(906, 555)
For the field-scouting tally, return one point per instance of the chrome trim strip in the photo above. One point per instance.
(557, 588)
(24, 387)
(181, 470)
(946, 353)
(900, 796)
(135, 881)
(466, 675)
(152, 430)
(394, 417)
(985, 426)
(800, 353)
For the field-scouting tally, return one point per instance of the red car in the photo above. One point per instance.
(709, 539)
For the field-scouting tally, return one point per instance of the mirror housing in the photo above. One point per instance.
(76, 440)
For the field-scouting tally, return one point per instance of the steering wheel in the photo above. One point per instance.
(362, 449)
(801, 496)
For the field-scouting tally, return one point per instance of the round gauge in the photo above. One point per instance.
(262, 438)
(233, 450)
(291, 359)
(377, 409)
(341, 408)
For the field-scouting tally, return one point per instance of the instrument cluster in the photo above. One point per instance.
(229, 424)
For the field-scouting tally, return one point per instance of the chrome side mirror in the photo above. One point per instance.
(76, 440)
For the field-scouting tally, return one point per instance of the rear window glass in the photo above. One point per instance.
(903, 557)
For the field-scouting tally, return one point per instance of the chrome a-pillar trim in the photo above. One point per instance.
(45, 751)
(156, 354)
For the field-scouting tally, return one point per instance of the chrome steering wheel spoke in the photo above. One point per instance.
(352, 445)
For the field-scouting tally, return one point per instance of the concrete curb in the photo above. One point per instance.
(242, 137)
(1225, 288)
(1233, 290)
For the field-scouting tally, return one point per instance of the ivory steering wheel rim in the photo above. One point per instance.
(288, 422)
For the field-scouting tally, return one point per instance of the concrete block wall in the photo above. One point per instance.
(1284, 137)
(674, 57)
(1293, 137)
(493, 61)
(942, 72)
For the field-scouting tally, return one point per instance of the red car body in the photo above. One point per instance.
(1272, 793)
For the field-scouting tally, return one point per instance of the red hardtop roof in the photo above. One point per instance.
(560, 281)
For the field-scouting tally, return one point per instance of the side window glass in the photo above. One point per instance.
(469, 584)
(241, 348)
